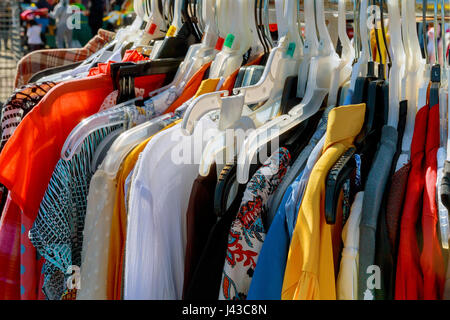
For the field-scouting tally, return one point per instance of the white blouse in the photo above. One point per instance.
(156, 229)
(100, 209)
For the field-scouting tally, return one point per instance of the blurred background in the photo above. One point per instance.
(31, 25)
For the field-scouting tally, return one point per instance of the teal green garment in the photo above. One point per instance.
(84, 34)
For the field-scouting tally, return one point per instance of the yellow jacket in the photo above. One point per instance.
(309, 273)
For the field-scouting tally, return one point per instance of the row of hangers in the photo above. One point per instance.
(311, 57)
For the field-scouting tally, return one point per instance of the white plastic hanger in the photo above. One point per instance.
(124, 35)
(133, 33)
(398, 62)
(408, 50)
(280, 65)
(108, 118)
(319, 81)
(237, 42)
(348, 52)
(131, 138)
(177, 22)
(310, 49)
(344, 70)
(414, 76)
(444, 79)
(360, 67)
(413, 79)
(174, 28)
(155, 22)
(423, 89)
(198, 54)
(282, 62)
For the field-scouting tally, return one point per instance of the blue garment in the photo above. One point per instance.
(44, 22)
(298, 166)
(348, 97)
(268, 277)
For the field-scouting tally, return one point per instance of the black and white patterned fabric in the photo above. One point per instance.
(57, 232)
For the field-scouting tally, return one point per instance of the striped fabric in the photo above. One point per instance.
(43, 59)
(57, 233)
(17, 107)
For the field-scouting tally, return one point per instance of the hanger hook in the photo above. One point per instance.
(383, 32)
(424, 30)
(436, 24)
(444, 45)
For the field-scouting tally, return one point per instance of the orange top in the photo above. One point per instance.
(28, 160)
(29, 157)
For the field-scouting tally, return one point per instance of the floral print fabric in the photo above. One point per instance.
(247, 232)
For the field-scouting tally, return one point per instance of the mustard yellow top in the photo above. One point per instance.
(309, 273)
(118, 232)
(373, 44)
(207, 86)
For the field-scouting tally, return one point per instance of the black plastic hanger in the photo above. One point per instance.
(372, 91)
(224, 187)
(124, 73)
(177, 47)
(435, 69)
(188, 15)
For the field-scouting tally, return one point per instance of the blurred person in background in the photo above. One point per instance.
(96, 11)
(62, 13)
(44, 4)
(34, 36)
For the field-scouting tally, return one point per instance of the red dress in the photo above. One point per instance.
(409, 280)
(431, 260)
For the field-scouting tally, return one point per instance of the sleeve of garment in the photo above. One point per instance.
(409, 280)
(431, 260)
(137, 279)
